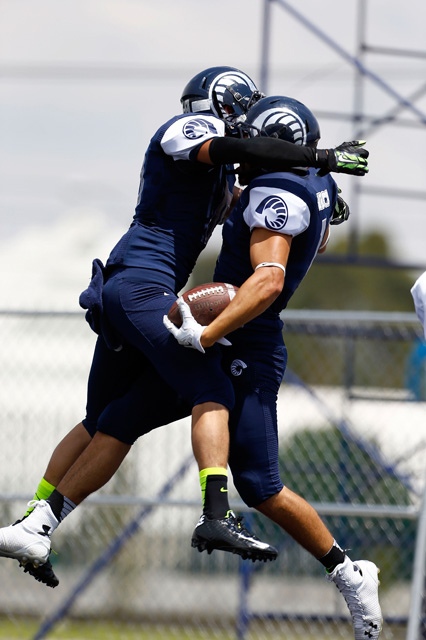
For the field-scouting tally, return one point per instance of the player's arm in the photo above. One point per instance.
(324, 243)
(340, 214)
(259, 291)
(279, 155)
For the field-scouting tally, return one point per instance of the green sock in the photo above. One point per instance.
(44, 490)
(214, 489)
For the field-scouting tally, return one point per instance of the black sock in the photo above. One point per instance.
(60, 505)
(216, 503)
(332, 558)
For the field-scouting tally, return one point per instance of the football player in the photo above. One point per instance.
(280, 223)
(185, 191)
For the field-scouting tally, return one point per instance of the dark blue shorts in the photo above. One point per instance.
(153, 380)
(255, 364)
(127, 397)
(146, 385)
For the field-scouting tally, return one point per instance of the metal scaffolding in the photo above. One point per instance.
(363, 124)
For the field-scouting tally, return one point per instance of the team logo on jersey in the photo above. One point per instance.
(275, 210)
(323, 199)
(237, 367)
(197, 128)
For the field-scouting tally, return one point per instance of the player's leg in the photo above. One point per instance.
(110, 373)
(28, 540)
(195, 377)
(218, 527)
(126, 417)
(93, 468)
(254, 464)
(300, 520)
(96, 464)
(254, 445)
(137, 311)
(63, 457)
(111, 378)
(34, 532)
(210, 442)
(357, 581)
(122, 421)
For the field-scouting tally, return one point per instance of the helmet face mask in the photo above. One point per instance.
(224, 91)
(284, 118)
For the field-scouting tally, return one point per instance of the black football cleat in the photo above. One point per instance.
(43, 573)
(230, 534)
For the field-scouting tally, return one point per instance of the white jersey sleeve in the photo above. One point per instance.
(418, 291)
(277, 210)
(189, 132)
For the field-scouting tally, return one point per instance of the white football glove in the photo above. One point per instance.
(189, 334)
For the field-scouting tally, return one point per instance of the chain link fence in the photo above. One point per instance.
(352, 441)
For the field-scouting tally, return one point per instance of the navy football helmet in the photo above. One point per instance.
(223, 91)
(284, 118)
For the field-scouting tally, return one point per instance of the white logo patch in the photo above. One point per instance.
(323, 199)
(237, 367)
(197, 128)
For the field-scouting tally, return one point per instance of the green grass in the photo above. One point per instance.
(22, 629)
(25, 630)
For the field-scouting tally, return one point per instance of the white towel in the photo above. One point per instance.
(418, 291)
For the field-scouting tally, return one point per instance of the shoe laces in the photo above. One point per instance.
(36, 503)
(351, 595)
(31, 504)
(238, 522)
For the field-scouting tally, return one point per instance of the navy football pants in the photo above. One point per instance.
(129, 390)
(255, 364)
(154, 381)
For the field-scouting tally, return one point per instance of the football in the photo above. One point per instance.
(206, 302)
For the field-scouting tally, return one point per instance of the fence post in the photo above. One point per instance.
(418, 595)
(246, 570)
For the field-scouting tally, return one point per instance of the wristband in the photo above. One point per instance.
(270, 264)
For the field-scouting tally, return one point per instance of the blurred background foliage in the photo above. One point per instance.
(345, 360)
(343, 286)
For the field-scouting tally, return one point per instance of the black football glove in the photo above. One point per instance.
(348, 157)
(341, 211)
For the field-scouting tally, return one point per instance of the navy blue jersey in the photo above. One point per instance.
(180, 202)
(290, 203)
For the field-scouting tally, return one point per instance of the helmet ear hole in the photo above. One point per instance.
(275, 131)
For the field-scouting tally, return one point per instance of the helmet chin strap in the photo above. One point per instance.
(239, 99)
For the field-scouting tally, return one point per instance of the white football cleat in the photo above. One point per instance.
(359, 585)
(28, 540)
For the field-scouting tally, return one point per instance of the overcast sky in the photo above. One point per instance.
(85, 83)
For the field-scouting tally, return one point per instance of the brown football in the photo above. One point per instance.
(206, 302)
